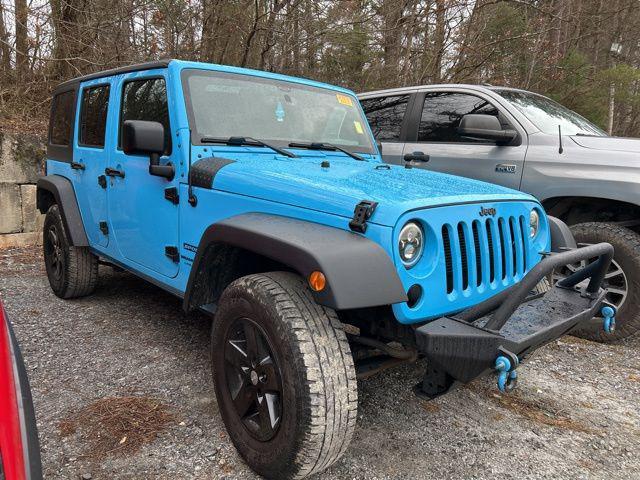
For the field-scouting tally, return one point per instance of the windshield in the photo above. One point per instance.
(547, 114)
(223, 105)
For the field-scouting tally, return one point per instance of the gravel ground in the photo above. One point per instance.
(575, 413)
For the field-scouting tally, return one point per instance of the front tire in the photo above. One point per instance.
(72, 271)
(623, 279)
(284, 376)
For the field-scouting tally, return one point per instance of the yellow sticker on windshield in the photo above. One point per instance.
(344, 100)
(358, 126)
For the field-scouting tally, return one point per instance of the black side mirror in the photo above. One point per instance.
(485, 127)
(140, 137)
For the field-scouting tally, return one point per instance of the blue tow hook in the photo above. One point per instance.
(507, 375)
(609, 319)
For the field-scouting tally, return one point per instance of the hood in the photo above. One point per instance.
(304, 183)
(611, 144)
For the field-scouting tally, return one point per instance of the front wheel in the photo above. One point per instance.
(622, 279)
(284, 376)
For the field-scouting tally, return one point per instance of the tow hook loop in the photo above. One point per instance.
(507, 375)
(609, 319)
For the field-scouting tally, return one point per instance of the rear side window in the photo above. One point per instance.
(146, 100)
(385, 116)
(93, 116)
(62, 114)
(442, 112)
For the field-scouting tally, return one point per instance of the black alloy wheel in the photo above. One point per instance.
(53, 253)
(253, 378)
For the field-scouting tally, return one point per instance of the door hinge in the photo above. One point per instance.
(171, 194)
(104, 228)
(361, 214)
(102, 181)
(171, 251)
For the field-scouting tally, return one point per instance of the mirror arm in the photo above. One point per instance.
(167, 171)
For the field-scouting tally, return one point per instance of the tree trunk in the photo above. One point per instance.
(22, 44)
(391, 11)
(439, 40)
(5, 51)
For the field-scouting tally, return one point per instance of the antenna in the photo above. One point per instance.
(193, 200)
(560, 149)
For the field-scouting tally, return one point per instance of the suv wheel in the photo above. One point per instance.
(72, 271)
(284, 376)
(622, 279)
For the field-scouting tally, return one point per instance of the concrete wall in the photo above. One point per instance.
(21, 163)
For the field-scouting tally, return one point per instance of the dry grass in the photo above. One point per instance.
(540, 413)
(34, 125)
(535, 411)
(21, 260)
(430, 406)
(118, 425)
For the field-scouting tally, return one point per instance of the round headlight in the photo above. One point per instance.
(534, 223)
(410, 244)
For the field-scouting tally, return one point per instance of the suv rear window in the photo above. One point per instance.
(61, 125)
(93, 116)
(385, 116)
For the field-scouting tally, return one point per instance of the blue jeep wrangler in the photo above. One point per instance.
(262, 200)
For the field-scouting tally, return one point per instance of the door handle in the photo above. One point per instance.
(416, 157)
(112, 172)
(77, 166)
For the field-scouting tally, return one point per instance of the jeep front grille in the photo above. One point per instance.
(484, 252)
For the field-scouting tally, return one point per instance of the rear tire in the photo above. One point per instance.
(626, 244)
(304, 366)
(72, 271)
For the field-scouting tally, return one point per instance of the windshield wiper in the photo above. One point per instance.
(325, 146)
(239, 141)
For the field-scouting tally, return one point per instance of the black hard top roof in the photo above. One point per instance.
(116, 71)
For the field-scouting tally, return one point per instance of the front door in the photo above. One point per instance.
(90, 158)
(436, 116)
(144, 222)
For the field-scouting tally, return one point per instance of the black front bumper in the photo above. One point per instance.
(512, 324)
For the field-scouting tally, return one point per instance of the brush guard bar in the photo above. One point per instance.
(499, 333)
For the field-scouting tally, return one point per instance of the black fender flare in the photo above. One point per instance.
(561, 236)
(359, 272)
(64, 195)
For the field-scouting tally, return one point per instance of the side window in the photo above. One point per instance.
(62, 113)
(146, 100)
(385, 116)
(93, 116)
(442, 112)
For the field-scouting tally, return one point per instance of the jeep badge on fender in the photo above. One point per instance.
(259, 200)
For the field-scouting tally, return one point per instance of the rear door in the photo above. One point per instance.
(90, 158)
(432, 131)
(386, 117)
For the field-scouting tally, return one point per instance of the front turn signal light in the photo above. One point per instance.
(317, 281)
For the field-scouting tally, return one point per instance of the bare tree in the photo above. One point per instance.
(558, 47)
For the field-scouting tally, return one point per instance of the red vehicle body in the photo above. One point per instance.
(19, 447)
